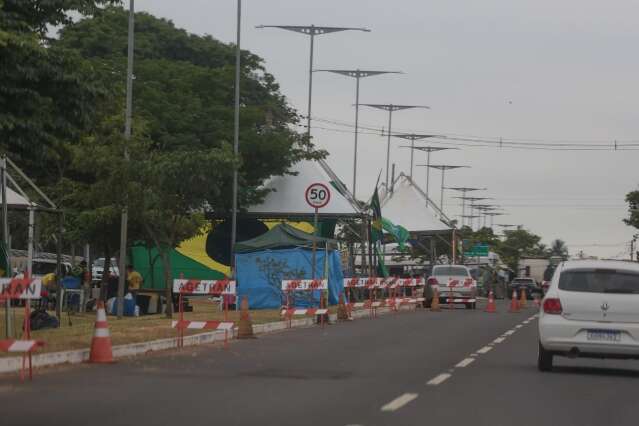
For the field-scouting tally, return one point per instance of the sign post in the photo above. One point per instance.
(317, 196)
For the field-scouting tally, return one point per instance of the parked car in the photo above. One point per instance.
(42, 267)
(454, 281)
(527, 284)
(97, 269)
(590, 311)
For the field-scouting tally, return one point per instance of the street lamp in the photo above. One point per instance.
(464, 190)
(427, 150)
(412, 137)
(472, 206)
(357, 75)
(483, 210)
(492, 217)
(312, 31)
(390, 108)
(236, 132)
(443, 168)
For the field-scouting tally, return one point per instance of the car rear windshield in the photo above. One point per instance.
(523, 281)
(600, 281)
(450, 270)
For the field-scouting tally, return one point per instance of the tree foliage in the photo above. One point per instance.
(632, 198)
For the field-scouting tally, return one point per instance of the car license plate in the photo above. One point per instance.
(604, 335)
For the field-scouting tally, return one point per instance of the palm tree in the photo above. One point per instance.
(558, 248)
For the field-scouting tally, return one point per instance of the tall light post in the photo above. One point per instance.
(358, 75)
(127, 135)
(412, 137)
(492, 217)
(443, 168)
(391, 108)
(472, 206)
(236, 132)
(464, 190)
(483, 209)
(312, 31)
(427, 150)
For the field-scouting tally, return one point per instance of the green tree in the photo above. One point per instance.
(558, 248)
(632, 198)
(518, 243)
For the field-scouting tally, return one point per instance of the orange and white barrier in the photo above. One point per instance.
(392, 284)
(203, 325)
(290, 286)
(20, 346)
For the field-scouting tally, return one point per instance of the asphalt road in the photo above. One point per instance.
(413, 368)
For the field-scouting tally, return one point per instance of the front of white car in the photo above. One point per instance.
(591, 309)
(454, 283)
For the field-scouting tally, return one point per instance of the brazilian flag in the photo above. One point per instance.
(377, 233)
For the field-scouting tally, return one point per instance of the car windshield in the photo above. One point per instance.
(599, 281)
(522, 281)
(450, 270)
(99, 263)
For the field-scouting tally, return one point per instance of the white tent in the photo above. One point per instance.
(15, 200)
(406, 206)
(287, 198)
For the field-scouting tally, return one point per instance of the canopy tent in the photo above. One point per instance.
(284, 253)
(282, 236)
(406, 205)
(17, 201)
(287, 196)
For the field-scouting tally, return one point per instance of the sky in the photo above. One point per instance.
(530, 70)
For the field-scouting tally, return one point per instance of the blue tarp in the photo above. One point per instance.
(260, 274)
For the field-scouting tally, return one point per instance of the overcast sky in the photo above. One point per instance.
(551, 71)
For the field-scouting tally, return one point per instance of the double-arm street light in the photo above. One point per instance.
(312, 31)
(464, 190)
(443, 168)
(472, 207)
(492, 217)
(357, 75)
(390, 108)
(427, 150)
(412, 137)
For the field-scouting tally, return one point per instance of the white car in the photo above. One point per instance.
(591, 310)
(454, 283)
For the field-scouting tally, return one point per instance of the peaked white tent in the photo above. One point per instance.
(406, 205)
(17, 201)
(287, 198)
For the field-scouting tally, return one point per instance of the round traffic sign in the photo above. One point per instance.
(317, 195)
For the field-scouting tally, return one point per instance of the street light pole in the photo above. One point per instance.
(412, 137)
(357, 75)
(427, 150)
(464, 191)
(312, 31)
(127, 135)
(443, 168)
(390, 108)
(236, 132)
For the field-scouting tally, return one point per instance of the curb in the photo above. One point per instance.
(13, 364)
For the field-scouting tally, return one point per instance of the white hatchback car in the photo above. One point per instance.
(591, 310)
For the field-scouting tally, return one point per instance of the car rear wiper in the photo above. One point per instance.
(620, 291)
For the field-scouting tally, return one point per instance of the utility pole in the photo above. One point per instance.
(412, 137)
(391, 108)
(358, 75)
(312, 31)
(8, 319)
(127, 136)
(464, 191)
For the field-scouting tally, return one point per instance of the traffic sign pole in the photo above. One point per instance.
(314, 241)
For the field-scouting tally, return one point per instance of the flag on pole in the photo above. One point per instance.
(377, 233)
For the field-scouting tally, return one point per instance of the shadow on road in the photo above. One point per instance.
(597, 371)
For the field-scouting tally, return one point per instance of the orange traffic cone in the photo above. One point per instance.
(101, 343)
(522, 299)
(245, 327)
(434, 305)
(514, 304)
(342, 313)
(491, 308)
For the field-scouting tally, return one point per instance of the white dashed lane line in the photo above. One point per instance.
(399, 402)
(465, 362)
(509, 332)
(499, 340)
(485, 349)
(518, 326)
(438, 380)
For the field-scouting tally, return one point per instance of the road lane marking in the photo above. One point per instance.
(509, 332)
(518, 326)
(485, 349)
(399, 402)
(438, 380)
(465, 362)
(499, 340)
(526, 322)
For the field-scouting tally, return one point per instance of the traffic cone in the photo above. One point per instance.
(101, 343)
(514, 304)
(522, 299)
(342, 313)
(434, 305)
(491, 308)
(245, 328)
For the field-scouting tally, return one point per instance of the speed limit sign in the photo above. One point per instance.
(318, 195)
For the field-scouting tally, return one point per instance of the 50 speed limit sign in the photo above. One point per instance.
(318, 195)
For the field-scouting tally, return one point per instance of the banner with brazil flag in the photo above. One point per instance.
(378, 226)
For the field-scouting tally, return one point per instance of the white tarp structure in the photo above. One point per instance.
(288, 197)
(406, 206)
(15, 200)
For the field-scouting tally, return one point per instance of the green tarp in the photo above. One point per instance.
(281, 236)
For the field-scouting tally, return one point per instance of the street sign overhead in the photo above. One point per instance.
(317, 195)
(477, 251)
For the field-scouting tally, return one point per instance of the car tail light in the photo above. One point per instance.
(552, 306)
(432, 281)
